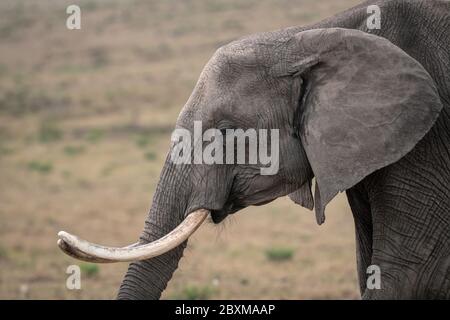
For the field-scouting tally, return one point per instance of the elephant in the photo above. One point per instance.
(360, 110)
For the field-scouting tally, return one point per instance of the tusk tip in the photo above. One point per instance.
(62, 234)
(67, 237)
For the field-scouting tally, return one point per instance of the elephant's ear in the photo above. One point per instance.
(366, 104)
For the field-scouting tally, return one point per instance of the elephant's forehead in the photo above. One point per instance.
(232, 77)
(259, 48)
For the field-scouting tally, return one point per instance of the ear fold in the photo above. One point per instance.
(367, 104)
(303, 196)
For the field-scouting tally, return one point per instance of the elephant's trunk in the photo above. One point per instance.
(148, 278)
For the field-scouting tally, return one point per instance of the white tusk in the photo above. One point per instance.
(86, 251)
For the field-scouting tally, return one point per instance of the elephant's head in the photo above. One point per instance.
(344, 103)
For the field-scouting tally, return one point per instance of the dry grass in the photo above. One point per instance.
(85, 118)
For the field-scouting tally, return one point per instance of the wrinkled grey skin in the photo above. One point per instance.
(363, 111)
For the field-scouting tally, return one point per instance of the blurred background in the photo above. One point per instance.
(85, 123)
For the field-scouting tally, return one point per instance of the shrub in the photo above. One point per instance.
(49, 133)
(142, 141)
(42, 167)
(73, 150)
(3, 253)
(94, 135)
(279, 254)
(197, 293)
(89, 269)
(150, 155)
(21, 98)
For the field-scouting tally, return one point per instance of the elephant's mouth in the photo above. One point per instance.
(218, 216)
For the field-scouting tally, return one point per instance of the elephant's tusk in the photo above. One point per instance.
(87, 251)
